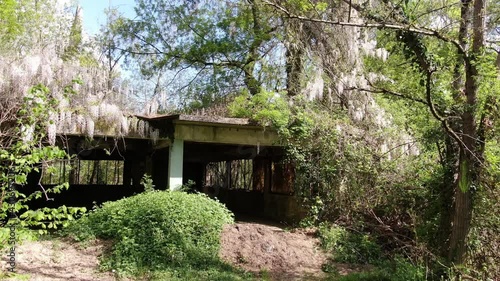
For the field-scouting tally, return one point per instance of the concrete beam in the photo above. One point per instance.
(225, 135)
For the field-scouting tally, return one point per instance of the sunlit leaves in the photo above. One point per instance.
(267, 108)
(26, 154)
(9, 26)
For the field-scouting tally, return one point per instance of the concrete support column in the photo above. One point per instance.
(175, 163)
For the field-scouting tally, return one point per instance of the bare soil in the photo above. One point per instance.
(58, 260)
(267, 250)
(271, 250)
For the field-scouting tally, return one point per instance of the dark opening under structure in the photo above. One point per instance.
(232, 159)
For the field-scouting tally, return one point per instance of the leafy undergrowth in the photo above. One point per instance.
(160, 235)
(360, 248)
(253, 251)
(177, 236)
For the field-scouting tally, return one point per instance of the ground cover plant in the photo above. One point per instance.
(157, 230)
(354, 247)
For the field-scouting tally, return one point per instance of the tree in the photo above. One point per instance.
(446, 53)
(10, 28)
(74, 47)
(23, 150)
(41, 98)
(215, 48)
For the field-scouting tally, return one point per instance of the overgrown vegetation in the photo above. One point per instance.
(398, 270)
(349, 246)
(158, 230)
(390, 119)
(24, 150)
(408, 176)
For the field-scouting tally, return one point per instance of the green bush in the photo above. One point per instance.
(157, 229)
(267, 108)
(347, 246)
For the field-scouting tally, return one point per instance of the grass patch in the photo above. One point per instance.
(221, 272)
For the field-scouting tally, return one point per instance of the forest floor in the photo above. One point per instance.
(269, 251)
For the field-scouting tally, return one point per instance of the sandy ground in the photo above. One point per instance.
(264, 249)
(58, 260)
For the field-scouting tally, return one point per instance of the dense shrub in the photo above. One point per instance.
(157, 229)
(360, 248)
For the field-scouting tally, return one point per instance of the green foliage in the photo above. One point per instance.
(22, 234)
(50, 218)
(147, 182)
(9, 26)
(364, 276)
(305, 6)
(484, 238)
(24, 154)
(359, 248)
(335, 167)
(75, 38)
(267, 108)
(347, 246)
(222, 272)
(407, 100)
(211, 49)
(401, 269)
(27, 24)
(157, 230)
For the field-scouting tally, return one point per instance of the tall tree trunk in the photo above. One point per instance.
(469, 161)
(462, 209)
(446, 193)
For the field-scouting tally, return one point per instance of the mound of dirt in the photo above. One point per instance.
(283, 255)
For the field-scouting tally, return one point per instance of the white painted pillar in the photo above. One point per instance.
(175, 163)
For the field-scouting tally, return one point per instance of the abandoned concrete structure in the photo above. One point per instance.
(232, 159)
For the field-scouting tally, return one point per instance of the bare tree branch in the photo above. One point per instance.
(379, 25)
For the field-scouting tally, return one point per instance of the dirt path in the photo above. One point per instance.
(264, 249)
(58, 260)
